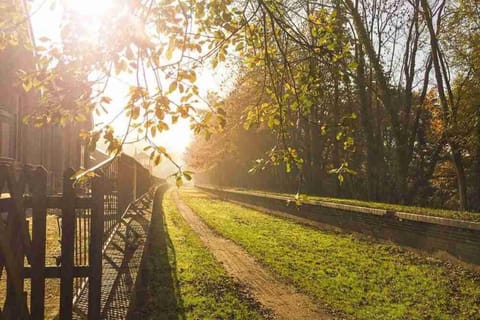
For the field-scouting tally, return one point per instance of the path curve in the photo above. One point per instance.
(281, 299)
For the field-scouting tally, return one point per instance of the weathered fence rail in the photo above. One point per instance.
(460, 239)
(90, 206)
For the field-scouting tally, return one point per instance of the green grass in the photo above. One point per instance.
(183, 279)
(362, 279)
(442, 213)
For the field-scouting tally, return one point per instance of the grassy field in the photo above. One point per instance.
(443, 213)
(361, 279)
(187, 282)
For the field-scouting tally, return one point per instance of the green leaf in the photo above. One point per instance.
(240, 46)
(172, 87)
(288, 167)
(79, 117)
(170, 49)
(298, 199)
(135, 113)
(27, 84)
(187, 176)
(105, 99)
(178, 181)
(193, 76)
(157, 160)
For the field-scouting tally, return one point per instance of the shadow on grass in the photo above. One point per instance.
(156, 293)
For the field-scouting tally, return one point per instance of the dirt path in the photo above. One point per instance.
(281, 299)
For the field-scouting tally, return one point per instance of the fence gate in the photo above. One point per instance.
(87, 211)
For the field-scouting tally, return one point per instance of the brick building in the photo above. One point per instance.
(54, 147)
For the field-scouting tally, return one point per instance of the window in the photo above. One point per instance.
(7, 133)
(82, 156)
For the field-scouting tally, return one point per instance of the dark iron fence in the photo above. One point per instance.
(91, 204)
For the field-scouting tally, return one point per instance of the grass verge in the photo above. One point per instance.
(182, 279)
(362, 279)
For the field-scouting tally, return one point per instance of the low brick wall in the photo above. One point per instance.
(460, 239)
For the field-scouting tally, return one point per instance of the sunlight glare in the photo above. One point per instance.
(90, 7)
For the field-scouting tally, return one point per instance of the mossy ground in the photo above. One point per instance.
(361, 279)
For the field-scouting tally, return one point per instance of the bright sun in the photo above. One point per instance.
(89, 7)
(176, 140)
(46, 23)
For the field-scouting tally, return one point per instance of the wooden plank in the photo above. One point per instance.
(83, 203)
(55, 272)
(53, 202)
(95, 249)
(39, 226)
(6, 205)
(14, 276)
(16, 238)
(67, 244)
(2, 264)
(3, 174)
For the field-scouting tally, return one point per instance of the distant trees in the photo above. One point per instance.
(381, 94)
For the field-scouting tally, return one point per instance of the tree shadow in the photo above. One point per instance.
(156, 293)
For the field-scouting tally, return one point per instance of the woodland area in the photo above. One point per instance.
(366, 99)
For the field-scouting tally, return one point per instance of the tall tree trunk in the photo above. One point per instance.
(375, 161)
(447, 107)
(385, 95)
(336, 119)
(461, 179)
(477, 165)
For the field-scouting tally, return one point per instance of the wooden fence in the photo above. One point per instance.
(90, 206)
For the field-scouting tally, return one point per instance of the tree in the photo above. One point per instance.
(346, 102)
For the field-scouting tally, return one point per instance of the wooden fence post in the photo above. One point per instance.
(134, 184)
(95, 249)
(68, 233)
(14, 249)
(39, 225)
(124, 185)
